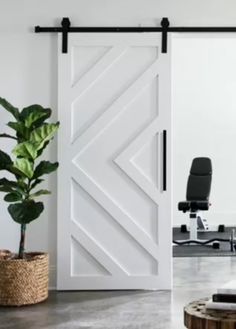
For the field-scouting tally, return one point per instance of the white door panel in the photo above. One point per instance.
(114, 219)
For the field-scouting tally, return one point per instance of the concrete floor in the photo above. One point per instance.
(193, 278)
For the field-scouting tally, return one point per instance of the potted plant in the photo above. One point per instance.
(24, 276)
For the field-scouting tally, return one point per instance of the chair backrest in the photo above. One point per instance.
(199, 180)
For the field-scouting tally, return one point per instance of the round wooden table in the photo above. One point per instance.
(197, 317)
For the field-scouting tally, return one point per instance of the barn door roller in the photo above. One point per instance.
(66, 28)
(165, 27)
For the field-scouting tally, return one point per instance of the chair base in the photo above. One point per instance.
(197, 224)
(184, 228)
(215, 243)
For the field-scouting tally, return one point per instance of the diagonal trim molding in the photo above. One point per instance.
(115, 210)
(96, 250)
(124, 161)
(80, 143)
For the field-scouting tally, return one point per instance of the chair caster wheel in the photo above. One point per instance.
(183, 228)
(216, 245)
(221, 228)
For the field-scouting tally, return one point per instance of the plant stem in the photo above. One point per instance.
(22, 241)
(28, 188)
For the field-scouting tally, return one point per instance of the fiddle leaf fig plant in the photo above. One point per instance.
(32, 134)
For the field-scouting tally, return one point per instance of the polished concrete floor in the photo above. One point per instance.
(193, 278)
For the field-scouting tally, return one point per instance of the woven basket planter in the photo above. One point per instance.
(23, 281)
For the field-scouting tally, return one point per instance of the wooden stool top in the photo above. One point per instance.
(197, 317)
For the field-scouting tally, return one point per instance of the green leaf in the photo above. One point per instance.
(5, 160)
(6, 185)
(32, 118)
(45, 167)
(36, 182)
(5, 189)
(21, 184)
(6, 182)
(42, 149)
(38, 193)
(34, 114)
(12, 197)
(25, 150)
(18, 174)
(43, 133)
(10, 168)
(26, 211)
(12, 186)
(19, 127)
(24, 166)
(10, 108)
(47, 114)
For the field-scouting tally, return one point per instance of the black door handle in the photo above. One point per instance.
(164, 164)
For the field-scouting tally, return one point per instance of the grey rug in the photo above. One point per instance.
(202, 251)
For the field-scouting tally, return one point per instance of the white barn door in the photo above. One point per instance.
(114, 218)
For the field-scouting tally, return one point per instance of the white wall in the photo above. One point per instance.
(28, 68)
(204, 119)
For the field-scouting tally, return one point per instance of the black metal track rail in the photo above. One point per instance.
(165, 28)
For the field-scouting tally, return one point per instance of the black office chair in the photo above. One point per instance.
(197, 199)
